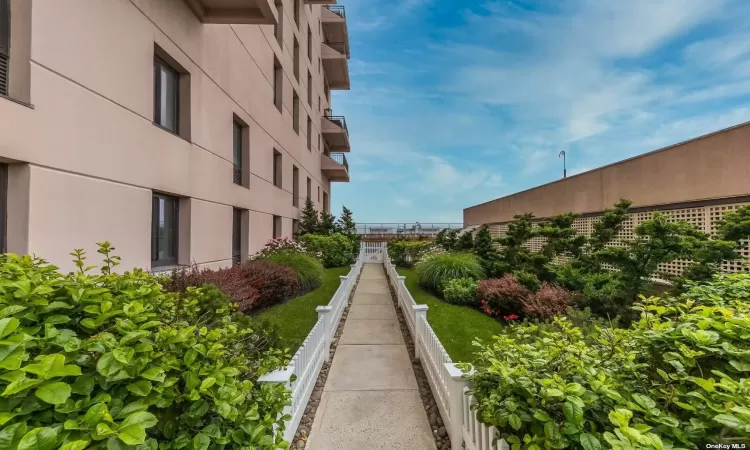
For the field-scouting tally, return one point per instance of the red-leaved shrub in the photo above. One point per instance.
(548, 301)
(251, 285)
(502, 296)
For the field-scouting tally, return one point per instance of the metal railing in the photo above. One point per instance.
(336, 9)
(338, 120)
(341, 47)
(339, 158)
(404, 229)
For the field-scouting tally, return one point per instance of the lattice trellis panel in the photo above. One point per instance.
(705, 218)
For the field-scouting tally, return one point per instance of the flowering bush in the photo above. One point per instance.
(502, 296)
(548, 301)
(284, 245)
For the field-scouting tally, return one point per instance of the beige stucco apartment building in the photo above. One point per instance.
(696, 181)
(180, 130)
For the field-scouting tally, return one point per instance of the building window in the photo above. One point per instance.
(164, 219)
(295, 228)
(309, 88)
(277, 165)
(318, 141)
(309, 188)
(236, 236)
(318, 194)
(238, 150)
(4, 45)
(325, 202)
(3, 206)
(295, 113)
(296, 12)
(278, 83)
(166, 96)
(309, 133)
(320, 105)
(296, 59)
(278, 29)
(276, 227)
(309, 44)
(295, 186)
(319, 64)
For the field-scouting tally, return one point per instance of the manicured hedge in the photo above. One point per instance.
(337, 250)
(408, 253)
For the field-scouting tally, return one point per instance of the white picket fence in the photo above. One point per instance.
(314, 351)
(448, 383)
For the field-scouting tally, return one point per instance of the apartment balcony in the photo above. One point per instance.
(335, 133)
(320, 2)
(335, 166)
(335, 57)
(234, 11)
(333, 19)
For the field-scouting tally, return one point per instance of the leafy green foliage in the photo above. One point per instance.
(310, 221)
(676, 379)
(335, 249)
(450, 239)
(112, 361)
(327, 224)
(465, 242)
(461, 291)
(436, 270)
(407, 253)
(735, 225)
(485, 249)
(309, 270)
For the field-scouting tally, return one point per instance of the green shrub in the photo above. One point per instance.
(407, 253)
(461, 291)
(308, 269)
(112, 361)
(676, 379)
(336, 249)
(436, 270)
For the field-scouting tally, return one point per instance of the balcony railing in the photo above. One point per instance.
(404, 229)
(339, 158)
(338, 120)
(341, 47)
(336, 9)
(237, 175)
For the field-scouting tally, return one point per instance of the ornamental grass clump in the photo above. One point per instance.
(308, 269)
(435, 271)
(110, 361)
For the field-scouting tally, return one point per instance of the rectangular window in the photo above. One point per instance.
(318, 141)
(4, 45)
(309, 134)
(277, 165)
(295, 186)
(278, 83)
(296, 59)
(320, 106)
(309, 89)
(318, 194)
(236, 236)
(3, 206)
(278, 29)
(295, 228)
(166, 96)
(295, 113)
(309, 44)
(276, 227)
(164, 218)
(319, 64)
(296, 12)
(237, 177)
(325, 201)
(309, 188)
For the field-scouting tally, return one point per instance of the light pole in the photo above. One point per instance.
(565, 169)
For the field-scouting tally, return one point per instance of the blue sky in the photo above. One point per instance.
(457, 102)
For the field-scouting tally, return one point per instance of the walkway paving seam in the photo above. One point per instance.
(371, 386)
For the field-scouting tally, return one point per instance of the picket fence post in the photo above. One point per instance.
(283, 376)
(420, 312)
(323, 313)
(400, 283)
(456, 386)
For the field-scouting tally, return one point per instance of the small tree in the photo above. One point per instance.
(327, 223)
(346, 224)
(450, 239)
(310, 222)
(735, 225)
(485, 250)
(465, 242)
(440, 238)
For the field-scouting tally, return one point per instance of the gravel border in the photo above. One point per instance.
(305, 425)
(442, 441)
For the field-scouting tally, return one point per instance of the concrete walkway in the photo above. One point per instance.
(370, 399)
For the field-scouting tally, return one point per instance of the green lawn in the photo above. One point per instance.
(295, 318)
(456, 326)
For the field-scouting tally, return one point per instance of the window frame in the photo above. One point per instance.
(309, 43)
(295, 112)
(278, 165)
(158, 64)
(297, 13)
(295, 186)
(278, 84)
(5, 44)
(236, 236)
(238, 151)
(276, 225)
(166, 262)
(309, 188)
(296, 59)
(309, 133)
(278, 29)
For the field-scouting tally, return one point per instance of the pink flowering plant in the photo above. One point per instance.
(284, 245)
